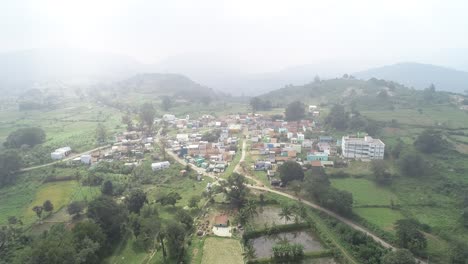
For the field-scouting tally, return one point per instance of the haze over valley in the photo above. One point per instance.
(233, 132)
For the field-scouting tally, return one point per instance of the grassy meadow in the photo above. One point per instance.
(222, 250)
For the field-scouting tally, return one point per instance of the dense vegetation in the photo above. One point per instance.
(25, 137)
(10, 163)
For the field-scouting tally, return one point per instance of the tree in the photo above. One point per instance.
(127, 120)
(290, 171)
(10, 163)
(147, 115)
(255, 104)
(249, 252)
(109, 215)
(261, 198)
(381, 174)
(136, 200)
(337, 118)
(399, 256)
(465, 217)
(430, 141)
(194, 200)
(429, 93)
(184, 218)
(242, 217)
(175, 235)
(295, 111)
(89, 240)
(149, 230)
(286, 213)
(166, 103)
(296, 187)
(235, 189)
(54, 247)
(412, 164)
(11, 238)
(258, 104)
(101, 133)
(211, 136)
(409, 236)
(458, 253)
(316, 186)
(357, 122)
(250, 209)
(75, 208)
(300, 211)
(339, 201)
(107, 188)
(169, 199)
(30, 136)
(396, 150)
(48, 206)
(38, 210)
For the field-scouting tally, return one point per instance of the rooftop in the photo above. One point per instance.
(361, 140)
(221, 220)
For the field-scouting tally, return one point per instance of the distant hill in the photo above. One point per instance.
(359, 94)
(27, 69)
(233, 76)
(164, 84)
(420, 76)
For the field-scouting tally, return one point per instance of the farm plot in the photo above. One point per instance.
(222, 250)
(384, 218)
(269, 215)
(365, 192)
(59, 193)
(263, 245)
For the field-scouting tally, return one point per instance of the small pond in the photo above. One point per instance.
(263, 245)
(269, 215)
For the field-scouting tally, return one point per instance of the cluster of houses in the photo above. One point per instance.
(129, 147)
(207, 142)
(275, 142)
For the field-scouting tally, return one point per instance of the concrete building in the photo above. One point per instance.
(160, 165)
(60, 153)
(86, 159)
(362, 148)
(314, 156)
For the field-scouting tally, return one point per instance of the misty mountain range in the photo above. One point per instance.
(20, 70)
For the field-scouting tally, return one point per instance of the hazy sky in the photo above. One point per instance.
(262, 35)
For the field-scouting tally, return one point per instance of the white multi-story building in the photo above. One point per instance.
(362, 148)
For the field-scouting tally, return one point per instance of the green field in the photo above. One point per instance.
(15, 199)
(444, 114)
(222, 250)
(365, 192)
(383, 218)
(19, 199)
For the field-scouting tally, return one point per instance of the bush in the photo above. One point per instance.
(30, 136)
